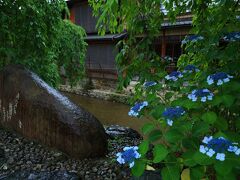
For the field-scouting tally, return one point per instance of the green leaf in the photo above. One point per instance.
(209, 117)
(216, 101)
(197, 173)
(232, 86)
(238, 123)
(200, 128)
(228, 100)
(233, 136)
(138, 168)
(223, 168)
(148, 127)
(157, 112)
(202, 159)
(191, 105)
(159, 153)
(173, 136)
(190, 142)
(143, 147)
(185, 175)
(177, 102)
(151, 97)
(188, 158)
(169, 95)
(183, 125)
(155, 135)
(221, 124)
(230, 176)
(170, 173)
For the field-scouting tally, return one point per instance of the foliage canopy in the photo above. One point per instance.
(33, 34)
(195, 110)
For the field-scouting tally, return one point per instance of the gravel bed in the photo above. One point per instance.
(23, 155)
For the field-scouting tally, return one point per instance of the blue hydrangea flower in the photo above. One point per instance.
(172, 113)
(218, 146)
(174, 76)
(149, 84)
(219, 78)
(190, 69)
(233, 36)
(128, 155)
(202, 94)
(134, 111)
(192, 38)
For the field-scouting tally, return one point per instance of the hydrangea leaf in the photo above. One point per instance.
(151, 97)
(170, 173)
(228, 100)
(138, 168)
(230, 176)
(190, 104)
(233, 136)
(169, 95)
(202, 159)
(197, 172)
(231, 86)
(216, 101)
(200, 128)
(157, 112)
(173, 136)
(183, 127)
(209, 117)
(220, 134)
(221, 124)
(148, 127)
(159, 153)
(150, 168)
(238, 123)
(190, 143)
(155, 135)
(143, 147)
(178, 102)
(185, 174)
(223, 168)
(188, 158)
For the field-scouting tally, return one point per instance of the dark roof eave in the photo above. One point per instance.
(109, 37)
(176, 26)
(117, 37)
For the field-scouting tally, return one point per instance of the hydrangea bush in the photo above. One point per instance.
(194, 111)
(197, 130)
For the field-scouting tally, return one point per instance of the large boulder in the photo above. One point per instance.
(32, 108)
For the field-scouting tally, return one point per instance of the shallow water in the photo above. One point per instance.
(109, 113)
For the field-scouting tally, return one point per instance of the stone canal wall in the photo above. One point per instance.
(101, 89)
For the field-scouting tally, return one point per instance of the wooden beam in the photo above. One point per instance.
(163, 50)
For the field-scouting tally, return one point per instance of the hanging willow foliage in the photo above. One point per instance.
(33, 33)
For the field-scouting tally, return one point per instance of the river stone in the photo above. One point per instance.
(115, 131)
(2, 157)
(44, 175)
(2, 153)
(32, 108)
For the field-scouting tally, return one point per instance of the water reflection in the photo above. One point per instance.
(108, 112)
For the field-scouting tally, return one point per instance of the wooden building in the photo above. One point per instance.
(101, 52)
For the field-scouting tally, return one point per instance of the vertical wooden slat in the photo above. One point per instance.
(72, 15)
(163, 52)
